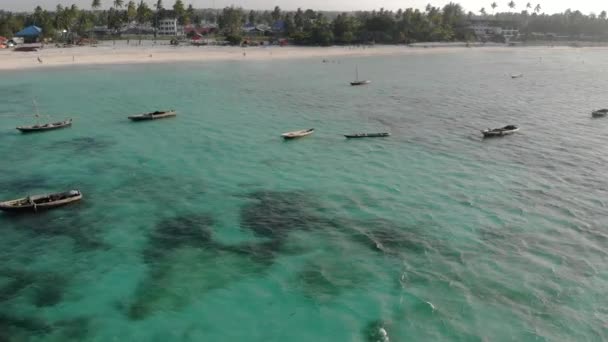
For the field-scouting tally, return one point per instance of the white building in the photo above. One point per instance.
(169, 27)
(485, 29)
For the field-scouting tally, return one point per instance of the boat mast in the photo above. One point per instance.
(356, 73)
(37, 113)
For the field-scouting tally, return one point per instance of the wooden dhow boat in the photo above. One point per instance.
(367, 135)
(499, 132)
(41, 202)
(599, 113)
(45, 127)
(358, 82)
(159, 114)
(298, 134)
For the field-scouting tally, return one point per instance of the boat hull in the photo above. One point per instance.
(23, 205)
(148, 116)
(44, 128)
(491, 134)
(297, 134)
(367, 135)
(360, 83)
(599, 113)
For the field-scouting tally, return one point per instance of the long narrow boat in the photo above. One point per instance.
(499, 132)
(367, 135)
(159, 114)
(599, 113)
(297, 134)
(45, 127)
(41, 202)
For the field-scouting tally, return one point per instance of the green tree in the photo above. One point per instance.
(298, 19)
(96, 4)
(131, 11)
(537, 8)
(231, 21)
(482, 11)
(144, 13)
(511, 4)
(493, 5)
(118, 3)
(179, 10)
(251, 17)
(276, 13)
(603, 15)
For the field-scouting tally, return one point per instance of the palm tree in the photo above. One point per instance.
(118, 3)
(528, 5)
(493, 5)
(511, 4)
(537, 8)
(482, 11)
(96, 4)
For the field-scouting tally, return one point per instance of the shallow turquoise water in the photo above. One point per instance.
(208, 227)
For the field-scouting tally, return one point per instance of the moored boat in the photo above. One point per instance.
(499, 132)
(45, 127)
(41, 202)
(599, 113)
(297, 134)
(517, 76)
(358, 82)
(159, 114)
(368, 135)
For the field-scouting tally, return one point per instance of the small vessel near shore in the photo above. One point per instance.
(159, 114)
(358, 82)
(517, 75)
(41, 202)
(599, 113)
(367, 135)
(499, 132)
(45, 127)
(297, 134)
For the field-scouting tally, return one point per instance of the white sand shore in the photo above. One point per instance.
(124, 54)
(121, 53)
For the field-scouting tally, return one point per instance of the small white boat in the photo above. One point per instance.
(297, 134)
(499, 132)
(599, 113)
(517, 76)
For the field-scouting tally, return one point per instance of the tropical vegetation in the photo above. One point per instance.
(309, 27)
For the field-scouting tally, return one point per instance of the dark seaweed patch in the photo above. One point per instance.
(262, 252)
(16, 283)
(83, 144)
(76, 329)
(275, 214)
(183, 231)
(13, 325)
(325, 280)
(45, 288)
(49, 290)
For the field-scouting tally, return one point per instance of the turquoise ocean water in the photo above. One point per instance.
(209, 227)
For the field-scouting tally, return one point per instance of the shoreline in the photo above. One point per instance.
(121, 54)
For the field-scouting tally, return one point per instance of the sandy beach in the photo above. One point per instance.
(121, 53)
